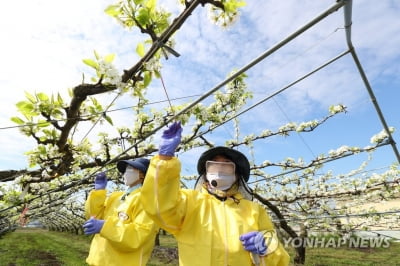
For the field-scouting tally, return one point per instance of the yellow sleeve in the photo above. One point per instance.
(130, 236)
(279, 256)
(95, 204)
(161, 196)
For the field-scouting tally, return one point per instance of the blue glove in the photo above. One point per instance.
(93, 226)
(100, 181)
(254, 242)
(170, 139)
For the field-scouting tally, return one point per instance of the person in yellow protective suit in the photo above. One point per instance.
(124, 234)
(217, 224)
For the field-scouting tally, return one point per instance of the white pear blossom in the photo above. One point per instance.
(381, 136)
(334, 109)
(110, 73)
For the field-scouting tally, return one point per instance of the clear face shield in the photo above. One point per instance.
(220, 175)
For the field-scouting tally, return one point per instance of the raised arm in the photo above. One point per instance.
(161, 196)
(94, 205)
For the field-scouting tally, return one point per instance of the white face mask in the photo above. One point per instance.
(221, 181)
(220, 175)
(131, 176)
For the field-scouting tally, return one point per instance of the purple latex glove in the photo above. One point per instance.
(254, 242)
(93, 226)
(100, 181)
(170, 139)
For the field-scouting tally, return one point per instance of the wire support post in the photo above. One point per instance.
(348, 23)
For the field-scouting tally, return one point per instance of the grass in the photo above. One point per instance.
(47, 248)
(354, 256)
(41, 247)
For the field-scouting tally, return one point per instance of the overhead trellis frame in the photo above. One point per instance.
(347, 25)
(347, 4)
(254, 62)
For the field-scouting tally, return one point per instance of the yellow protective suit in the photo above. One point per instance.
(128, 234)
(207, 230)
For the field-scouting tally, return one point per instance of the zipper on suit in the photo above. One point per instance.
(226, 236)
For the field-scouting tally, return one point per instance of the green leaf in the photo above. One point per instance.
(233, 5)
(25, 107)
(113, 10)
(57, 113)
(30, 97)
(138, 2)
(96, 55)
(60, 99)
(42, 150)
(151, 4)
(140, 49)
(109, 120)
(109, 58)
(146, 79)
(157, 74)
(17, 120)
(230, 7)
(91, 63)
(43, 123)
(42, 96)
(94, 101)
(143, 16)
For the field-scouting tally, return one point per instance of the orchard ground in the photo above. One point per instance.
(32, 246)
